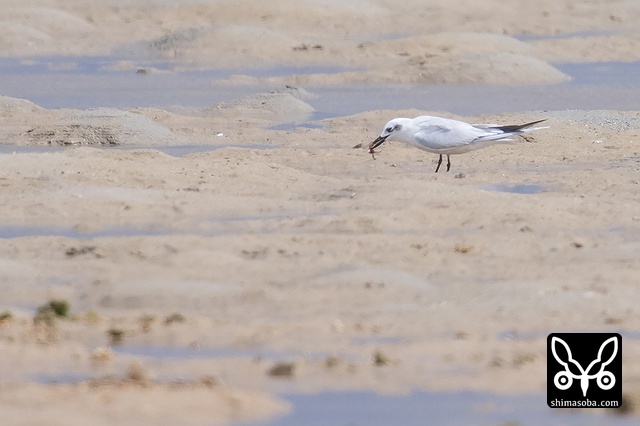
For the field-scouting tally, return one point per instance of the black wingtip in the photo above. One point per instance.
(517, 127)
(532, 123)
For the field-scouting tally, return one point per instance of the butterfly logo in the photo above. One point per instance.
(564, 379)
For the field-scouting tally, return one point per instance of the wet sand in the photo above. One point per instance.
(296, 263)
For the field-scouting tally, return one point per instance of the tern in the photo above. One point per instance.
(446, 136)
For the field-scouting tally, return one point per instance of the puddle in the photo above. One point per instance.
(626, 334)
(519, 335)
(173, 150)
(32, 231)
(563, 36)
(422, 408)
(379, 340)
(603, 73)
(104, 65)
(533, 335)
(56, 65)
(184, 150)
(203, 226)
(472, 100)
(288, 127)
(185, 352)
(30, 149)
(520, 188)
(7, 232)
(285, 71)
(63, 378)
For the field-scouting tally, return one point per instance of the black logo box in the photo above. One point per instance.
(590, 366)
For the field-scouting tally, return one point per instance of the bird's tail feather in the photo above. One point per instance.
(520, 127)
(503, 133)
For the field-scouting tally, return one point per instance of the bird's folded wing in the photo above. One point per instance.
(444, 137)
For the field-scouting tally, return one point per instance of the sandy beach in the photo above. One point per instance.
(214, 258)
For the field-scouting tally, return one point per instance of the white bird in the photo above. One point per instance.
(446, 136)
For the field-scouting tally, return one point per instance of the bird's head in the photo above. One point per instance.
(391, 131)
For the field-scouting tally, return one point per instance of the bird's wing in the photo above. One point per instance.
(514, 129)
(452, 134)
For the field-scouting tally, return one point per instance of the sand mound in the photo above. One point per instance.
(282, 105)
(18, 115)
(33, 30)
(14, 106)
(15, 35)
(501, 68)
(598, 48)
(213, 46)
(457, 58)
(450, 57)
(101, 126)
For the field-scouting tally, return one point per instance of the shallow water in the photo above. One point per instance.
(204, 226)
(62, 378)
(70, 232)
(86, 82)
(172, 150)
(519, 188)
(603, 73)
(29, 149)
(471, 100)
(355, 408)
(185, 352)
(183, 150)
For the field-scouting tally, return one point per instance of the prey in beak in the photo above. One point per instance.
(376, 143)
(392, 126)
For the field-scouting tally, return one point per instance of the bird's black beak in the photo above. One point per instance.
(376, 143)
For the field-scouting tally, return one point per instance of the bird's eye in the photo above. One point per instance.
(389, 129)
